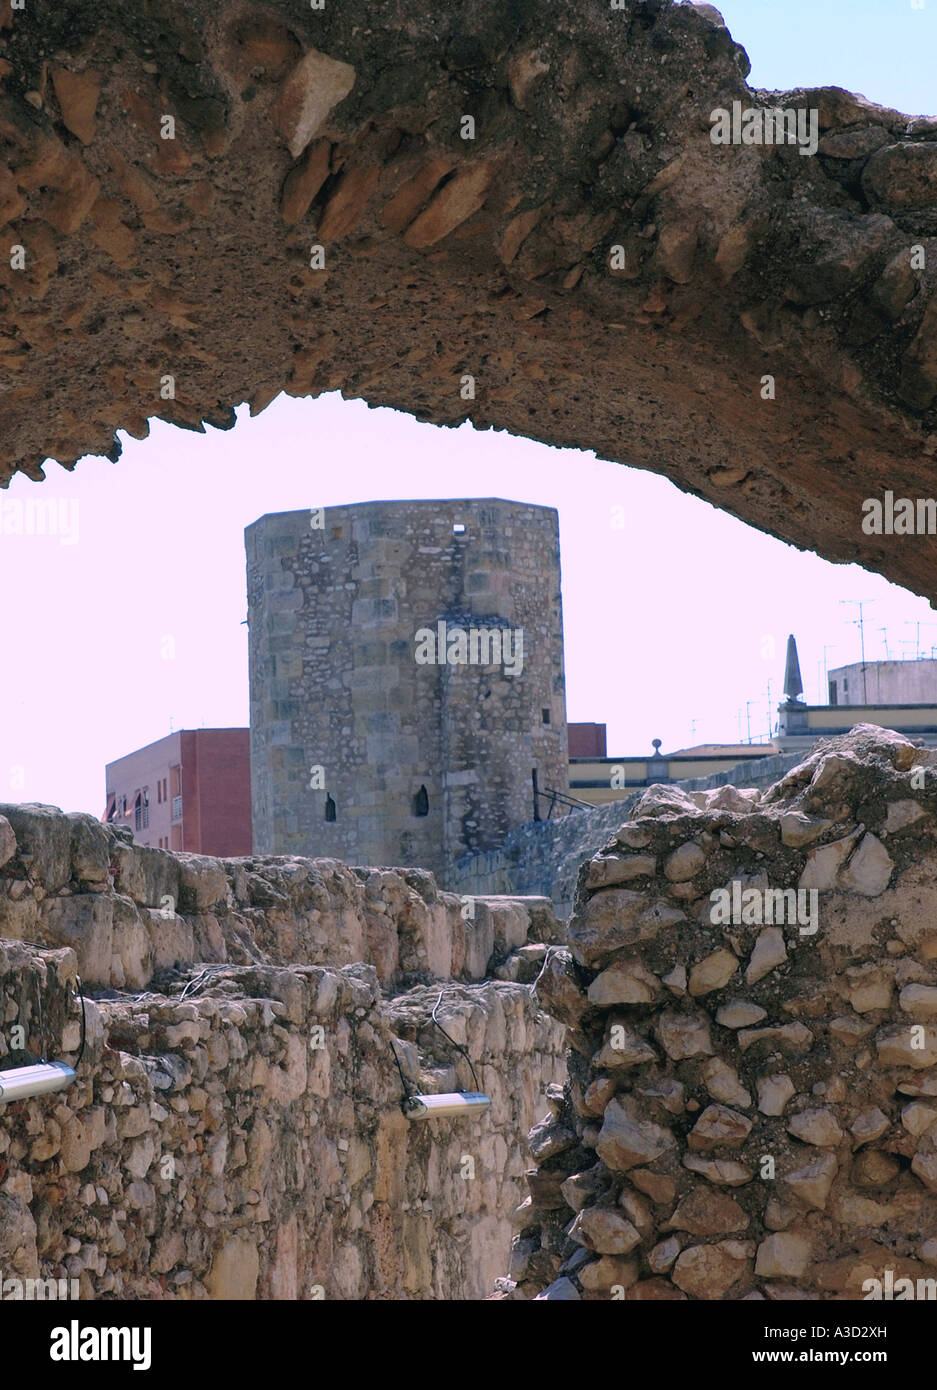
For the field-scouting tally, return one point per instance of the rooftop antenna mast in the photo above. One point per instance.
(859, 622)
(917, 636)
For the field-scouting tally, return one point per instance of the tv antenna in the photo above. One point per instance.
(860, 603)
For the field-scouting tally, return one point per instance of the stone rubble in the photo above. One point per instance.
(236, 1129)
(772, 1108)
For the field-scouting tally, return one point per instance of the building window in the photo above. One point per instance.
(138, 812)
(146, 808)
(545, 716)
(330, 809)
(832, 692)
(159, 798)
(421, 803)
(177, 808)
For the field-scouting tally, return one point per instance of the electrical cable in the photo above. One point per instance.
(202, 978)
(42, 1031)
(81, 1048)
(407, 1094)
(457, 1046)
(403, 1080)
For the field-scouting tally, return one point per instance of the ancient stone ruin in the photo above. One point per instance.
(353, 615)
(236, 1129)
(469, 213)
(752, 1103)
(749, 1109)
(215, 203)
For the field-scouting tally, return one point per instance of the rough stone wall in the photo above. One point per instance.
(334, 609)
(133, 913)
(544, 857)
(752, 1109)
(236, 1131)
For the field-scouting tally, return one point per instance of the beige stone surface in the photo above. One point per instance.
(830, 1173)
(246, 1141)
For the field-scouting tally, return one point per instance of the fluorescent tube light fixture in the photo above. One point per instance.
(450, 1103)
(39, 1078)
(19, 1083)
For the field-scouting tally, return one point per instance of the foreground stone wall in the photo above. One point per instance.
(236, 1131)
(133, 913)
(752, 1106)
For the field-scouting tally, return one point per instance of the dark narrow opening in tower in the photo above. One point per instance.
(330, 809)
(421, 803)
(533, 779)
(545, 716)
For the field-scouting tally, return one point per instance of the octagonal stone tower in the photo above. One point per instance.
(406, 676)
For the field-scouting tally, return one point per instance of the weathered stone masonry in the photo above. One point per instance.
(342, 128)
(349, 730)
(763, 1124)
(236, 1129)
(544, 857)
(213, 1148)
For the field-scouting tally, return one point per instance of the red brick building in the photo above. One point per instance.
(188, 791)
(586, 740)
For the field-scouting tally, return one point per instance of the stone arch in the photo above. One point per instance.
(601, 273)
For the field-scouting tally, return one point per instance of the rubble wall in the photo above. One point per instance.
(133, 913)
(236, 1128)
(752, 1103)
